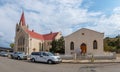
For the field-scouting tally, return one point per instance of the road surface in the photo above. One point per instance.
(11, 65)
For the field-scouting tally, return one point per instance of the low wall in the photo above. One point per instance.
(67, 57)
(105, 55)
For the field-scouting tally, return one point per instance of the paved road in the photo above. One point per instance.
(10, 65)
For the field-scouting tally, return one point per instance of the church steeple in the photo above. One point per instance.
(22, 20)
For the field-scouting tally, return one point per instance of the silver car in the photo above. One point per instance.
(19, 55)
(46, 57)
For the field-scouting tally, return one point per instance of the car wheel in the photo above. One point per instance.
(49, 62)
(18, 58)
(32, 60)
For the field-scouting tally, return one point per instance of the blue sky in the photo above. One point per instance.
(104, 4)
(66, 16)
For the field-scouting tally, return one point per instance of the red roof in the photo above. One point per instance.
(35, 35)
(22, 20)
(49, 36)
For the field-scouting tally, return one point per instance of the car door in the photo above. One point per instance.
(37, 56)
(15, 55)
(43, 57)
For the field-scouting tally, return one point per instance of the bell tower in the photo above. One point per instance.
(20, 42)
(22, 24)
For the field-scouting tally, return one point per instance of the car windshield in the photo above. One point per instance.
(49, 54)
(20, 53)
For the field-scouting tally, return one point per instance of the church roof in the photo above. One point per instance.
(22, 20)
(35, 35)
(49, 36)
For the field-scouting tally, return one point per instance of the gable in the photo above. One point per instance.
(85, 32)
(20, 32)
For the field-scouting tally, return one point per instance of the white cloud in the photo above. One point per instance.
(110, 25)
(116, 10)
(66, 16)
(1, 34)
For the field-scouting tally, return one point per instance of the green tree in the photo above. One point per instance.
(12, 45)
(117, 44)
(61, 45)
(58, 46)
(54, 46)
(112, 44)
(118, 36)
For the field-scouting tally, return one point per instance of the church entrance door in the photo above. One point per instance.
(83, 48)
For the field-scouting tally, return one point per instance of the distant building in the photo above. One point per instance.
(6, 49)
(84, 41)
(29, 41)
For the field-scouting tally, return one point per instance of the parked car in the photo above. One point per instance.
(4, 54)
(46, 57)
(18, 55)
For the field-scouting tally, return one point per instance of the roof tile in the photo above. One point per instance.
(35, 35)
(49, 36)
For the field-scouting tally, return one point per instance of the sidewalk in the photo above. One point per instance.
(117, 60)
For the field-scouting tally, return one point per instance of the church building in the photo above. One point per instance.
(84, 41)
(30, 41)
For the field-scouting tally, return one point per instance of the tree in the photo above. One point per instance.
(12, 45)
(58, 46)
(118, 36)
(61, 45)
(54, 46)
(112, 44)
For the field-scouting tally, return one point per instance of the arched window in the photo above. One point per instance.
(21, 43)
(94, 44)
(72, 46)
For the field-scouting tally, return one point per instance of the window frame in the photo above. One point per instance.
(71, 45)
(95, 44)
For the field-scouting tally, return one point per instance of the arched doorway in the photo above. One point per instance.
(83, 48)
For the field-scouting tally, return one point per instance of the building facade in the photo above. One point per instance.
(29, 41)
(84, 41)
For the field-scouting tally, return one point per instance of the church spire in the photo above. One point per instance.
(22, 20)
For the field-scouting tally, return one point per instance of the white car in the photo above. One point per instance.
(19, 55)
(4, 54)
(45, 57)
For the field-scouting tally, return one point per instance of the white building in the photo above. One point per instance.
(85, 40)
(30, 41)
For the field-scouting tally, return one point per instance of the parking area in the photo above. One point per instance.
(12, 65)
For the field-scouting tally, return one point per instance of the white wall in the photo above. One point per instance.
(88, 38)
(34, 43)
